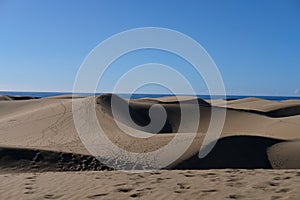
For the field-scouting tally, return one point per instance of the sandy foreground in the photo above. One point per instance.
(256, 157)
(199, 184)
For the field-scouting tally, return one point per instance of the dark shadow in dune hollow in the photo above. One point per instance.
(240, 152)
(14, 159)
(243, 152)
(15, 98)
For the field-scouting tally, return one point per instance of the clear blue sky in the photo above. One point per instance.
(255, 43)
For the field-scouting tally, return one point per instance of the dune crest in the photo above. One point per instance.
(14, 98)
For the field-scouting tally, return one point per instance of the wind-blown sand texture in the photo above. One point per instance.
(202, 184)
(39, 135)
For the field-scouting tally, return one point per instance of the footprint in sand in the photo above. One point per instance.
(52, 196)
(29, 185)
(96, 196)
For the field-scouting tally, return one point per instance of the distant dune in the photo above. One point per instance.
(12, 98)
(265, 107)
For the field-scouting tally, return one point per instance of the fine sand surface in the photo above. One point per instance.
(38, 140)
(202, 184)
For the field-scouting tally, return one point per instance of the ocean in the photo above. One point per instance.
(136, 96)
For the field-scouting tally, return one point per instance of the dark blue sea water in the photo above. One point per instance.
(136, 96)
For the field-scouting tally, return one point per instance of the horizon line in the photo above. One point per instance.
(71, 92)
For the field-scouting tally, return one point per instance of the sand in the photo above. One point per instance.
(38, 139)
(199, 184)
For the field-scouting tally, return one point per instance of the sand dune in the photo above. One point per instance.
(47, 125)
(139, 111)
(263, 107)
(13, 98)
(66, 96)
